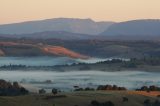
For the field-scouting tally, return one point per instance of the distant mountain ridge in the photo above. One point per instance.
(73, 25)
(82, 29)
(141, 28)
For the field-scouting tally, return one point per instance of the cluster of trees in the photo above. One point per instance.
(84, 89)
(110, 87)
(86, 65)
(13, 66)
(154, 61)
(96, 103)
(112, 61)
(11, 89)
(54, 91)
(131, 63)
(150, 88)
(42, 91)
(107, 103)
(101, 87)
(147, 102)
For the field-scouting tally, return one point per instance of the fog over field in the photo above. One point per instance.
(66, 80)
(45, 61)
(35, 61)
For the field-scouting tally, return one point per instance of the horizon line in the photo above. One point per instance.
(77, 18)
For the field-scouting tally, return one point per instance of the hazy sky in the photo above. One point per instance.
(99, 10)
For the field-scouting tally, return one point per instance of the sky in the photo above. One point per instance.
(12, 11)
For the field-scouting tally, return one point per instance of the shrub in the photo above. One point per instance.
(156, 103)
(96, 103)
(108, 103)
(89, 89)
(147, 102)
(125, 99)
(79, 89)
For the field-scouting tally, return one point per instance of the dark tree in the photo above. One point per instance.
(54, 91)
(42, 91)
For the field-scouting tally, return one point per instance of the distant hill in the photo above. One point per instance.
(83, 26)
(79, 48)
(22, 49)
(136, 30)
(61, 51)
(50, 35)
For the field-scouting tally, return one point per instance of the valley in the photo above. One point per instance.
(76, 57)
(79, 53)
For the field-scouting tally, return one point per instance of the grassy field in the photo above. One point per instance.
(77, 99)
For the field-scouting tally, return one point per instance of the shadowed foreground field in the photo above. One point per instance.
(77, 99)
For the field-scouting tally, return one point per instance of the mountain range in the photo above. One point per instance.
(83, 26)
(81, 29)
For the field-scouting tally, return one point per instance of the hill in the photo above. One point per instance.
(50, 35)
(24, 49)
(91, 48)
(61, 51)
